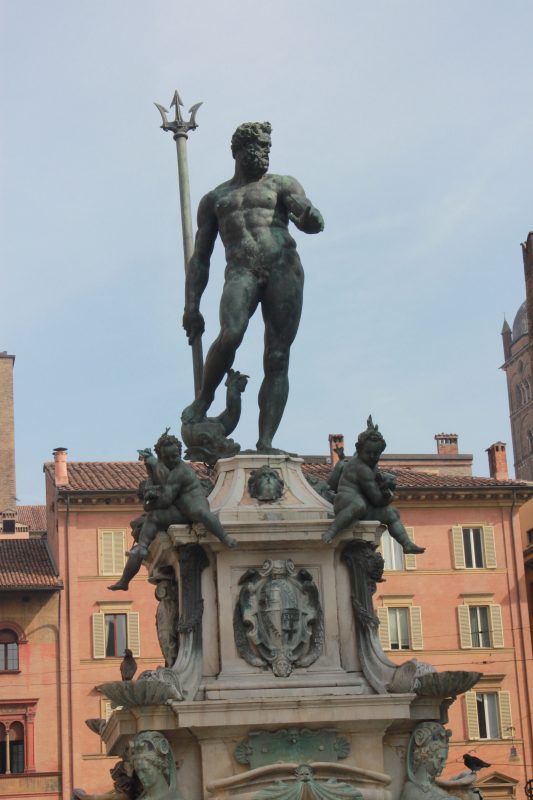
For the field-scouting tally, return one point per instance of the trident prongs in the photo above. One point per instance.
(178, 126)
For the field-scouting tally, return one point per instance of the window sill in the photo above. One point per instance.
(10, 671)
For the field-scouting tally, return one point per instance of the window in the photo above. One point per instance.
(393, 554)
(111, 551)
(9, 525)
(489, 715)
(480, 624)
(17, 745)
(115, 634)
(530, 441)
(400, 626)
(114, 629)
(530, 536)
(474, 547)
(9, 650)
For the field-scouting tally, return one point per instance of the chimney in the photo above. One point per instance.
(527, 253)
(8, 499)
(507, 339)
(60, 466)
(498, 461)
(336, 440)
(447, 444)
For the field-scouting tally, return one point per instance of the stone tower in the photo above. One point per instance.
(7, 435)
(517, 365)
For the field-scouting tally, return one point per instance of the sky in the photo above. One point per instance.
(410, 126)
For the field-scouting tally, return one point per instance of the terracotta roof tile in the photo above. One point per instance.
(32, 516)
(415, 479)
(27, 564)
(102, 476)
(106, 476)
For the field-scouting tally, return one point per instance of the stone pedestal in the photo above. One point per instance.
(270, 673)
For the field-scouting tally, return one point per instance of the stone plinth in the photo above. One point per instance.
(275, 648)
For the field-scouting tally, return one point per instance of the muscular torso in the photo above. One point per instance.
(253, 222)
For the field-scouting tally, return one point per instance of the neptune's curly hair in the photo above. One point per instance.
(249, 132)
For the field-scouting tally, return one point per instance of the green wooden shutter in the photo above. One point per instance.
(98, 635)
(489, 546)
(496, 626)
(415, 615)
(472, 723)
(384, 636)
(409, 559)
(465, 632)
(458, 548)
(134, 642)
(506, 722)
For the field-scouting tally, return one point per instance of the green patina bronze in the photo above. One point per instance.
(251, 213)
(291, 745)
(306, 787)
(172, 495)
(364, 492)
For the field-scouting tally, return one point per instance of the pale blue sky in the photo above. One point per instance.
(410, 125)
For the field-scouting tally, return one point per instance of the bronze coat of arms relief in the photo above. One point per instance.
(278, 620)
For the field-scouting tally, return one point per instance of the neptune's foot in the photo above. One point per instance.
(267, 450)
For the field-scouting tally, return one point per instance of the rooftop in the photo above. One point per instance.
(27, 564)
(125, 476)
(34, 517)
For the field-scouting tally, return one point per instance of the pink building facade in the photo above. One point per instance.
(461, 605)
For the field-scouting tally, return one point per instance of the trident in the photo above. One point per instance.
(180, 128)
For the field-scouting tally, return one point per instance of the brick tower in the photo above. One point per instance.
(7, 435)
(518, 355)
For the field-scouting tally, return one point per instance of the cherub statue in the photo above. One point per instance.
(426, 757)
(173, 495)
(363, 492)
